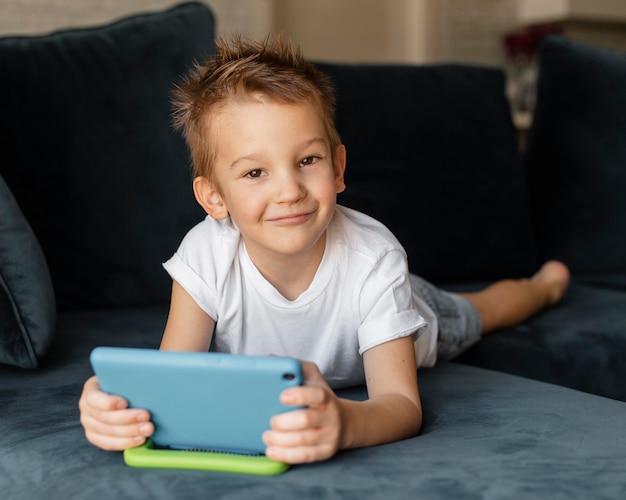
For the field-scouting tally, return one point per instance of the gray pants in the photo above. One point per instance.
(460, 325)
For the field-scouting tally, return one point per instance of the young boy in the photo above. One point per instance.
(278, 267)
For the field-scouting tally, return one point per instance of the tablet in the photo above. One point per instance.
(200, 402)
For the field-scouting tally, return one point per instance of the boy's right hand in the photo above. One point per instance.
(108, 422)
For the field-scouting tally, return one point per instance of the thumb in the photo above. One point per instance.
(312, 373)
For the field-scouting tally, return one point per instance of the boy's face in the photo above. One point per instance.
(274, 175)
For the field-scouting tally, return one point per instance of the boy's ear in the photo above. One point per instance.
(339, 166)
(209, 198)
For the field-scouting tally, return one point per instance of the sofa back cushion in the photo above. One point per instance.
(89, 152)
(432, 153)
(576, 156)
(27, 305)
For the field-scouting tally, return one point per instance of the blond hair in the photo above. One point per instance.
(273, 68)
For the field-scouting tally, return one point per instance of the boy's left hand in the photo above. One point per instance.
(309, 434)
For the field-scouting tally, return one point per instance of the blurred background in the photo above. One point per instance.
(503, 33)
(405, 31)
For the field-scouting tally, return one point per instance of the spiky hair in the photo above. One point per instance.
(241, 69)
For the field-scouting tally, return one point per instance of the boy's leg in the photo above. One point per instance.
(455, 319)
(508, 302)
(463, 318)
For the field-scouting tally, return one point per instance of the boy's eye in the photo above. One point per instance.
(254, 174)
(309, 160)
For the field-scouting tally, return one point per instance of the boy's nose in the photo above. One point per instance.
(289, 188)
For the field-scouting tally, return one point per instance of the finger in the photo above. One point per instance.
(306, 395)
(296, 420)
(94, 397)
(300, 455)
(115, 437)
(311, 372)
(112, 443)
(105, 409)
(317, 436)
(144, 429)
(112, 419)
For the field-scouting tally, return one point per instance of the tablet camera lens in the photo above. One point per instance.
(288, 376)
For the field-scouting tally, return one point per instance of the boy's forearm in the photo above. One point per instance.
(384, 419)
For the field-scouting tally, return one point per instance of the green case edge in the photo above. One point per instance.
(146, 456)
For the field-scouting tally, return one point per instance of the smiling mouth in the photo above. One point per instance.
(291, 219)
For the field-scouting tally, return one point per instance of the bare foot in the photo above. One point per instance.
(508, 302)
(555, 276)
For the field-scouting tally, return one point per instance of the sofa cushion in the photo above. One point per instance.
(432, 154)
(485, 435)
(27, 306)
(579, 343)
(576, 156)
(89, 152)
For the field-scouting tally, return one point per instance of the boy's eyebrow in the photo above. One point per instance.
(302, 145)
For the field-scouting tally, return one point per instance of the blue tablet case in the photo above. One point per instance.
(200, 401)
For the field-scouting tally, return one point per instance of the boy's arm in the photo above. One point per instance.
(392, 412)
(188, 327)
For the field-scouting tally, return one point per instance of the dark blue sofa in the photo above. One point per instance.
(95, 193)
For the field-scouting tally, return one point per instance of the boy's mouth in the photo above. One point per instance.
(291, 219)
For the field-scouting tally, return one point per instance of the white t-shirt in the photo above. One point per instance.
(359, 298)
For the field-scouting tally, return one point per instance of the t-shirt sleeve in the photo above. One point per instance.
(196, 264)
(202, 293)
(386, 303)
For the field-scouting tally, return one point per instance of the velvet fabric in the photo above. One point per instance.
(579, 344)
(392, 120)
(27, 305)
(576, 162)
(90, 154)
(576, 156)
(485, 435)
